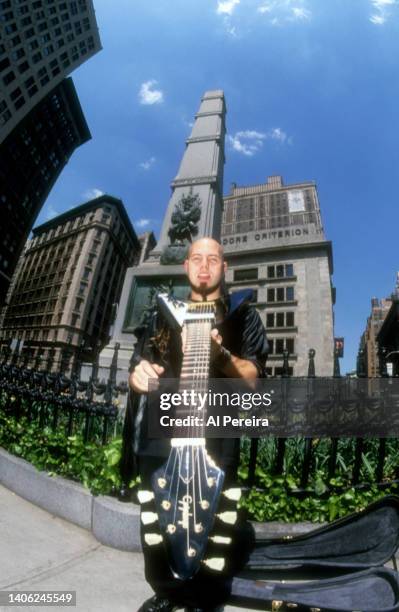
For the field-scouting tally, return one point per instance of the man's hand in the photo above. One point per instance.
(216, 343)
(142, 373)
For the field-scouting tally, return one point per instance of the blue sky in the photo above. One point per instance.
(312, 92)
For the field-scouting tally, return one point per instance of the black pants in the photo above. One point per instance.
(206, 588)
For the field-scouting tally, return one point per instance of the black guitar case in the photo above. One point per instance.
(373, 590)
(361, 540)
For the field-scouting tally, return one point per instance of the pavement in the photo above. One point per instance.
(39, 551)
(42, 552)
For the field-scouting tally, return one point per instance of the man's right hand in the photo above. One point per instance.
(142, 373)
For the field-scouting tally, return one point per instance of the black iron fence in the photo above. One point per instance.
(70, 405)
(63, 403)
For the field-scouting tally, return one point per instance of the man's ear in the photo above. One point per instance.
(225, 266)
(185, 265)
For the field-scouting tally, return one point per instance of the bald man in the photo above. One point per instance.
(239, 349)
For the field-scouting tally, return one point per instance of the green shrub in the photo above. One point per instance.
(94, 465)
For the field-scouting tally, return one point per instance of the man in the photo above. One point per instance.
(239, 350)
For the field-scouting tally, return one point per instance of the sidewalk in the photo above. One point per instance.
(41, 552)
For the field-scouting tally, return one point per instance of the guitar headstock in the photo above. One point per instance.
(178, 312)
(187, 489)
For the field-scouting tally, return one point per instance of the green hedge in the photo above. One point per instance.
(274, 498)
(91, 464)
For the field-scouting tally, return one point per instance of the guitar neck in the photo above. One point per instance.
(194, 377)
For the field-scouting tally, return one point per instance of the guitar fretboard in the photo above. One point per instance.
(196, 361)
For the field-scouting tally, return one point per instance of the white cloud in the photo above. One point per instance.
(249, 142)
(148, 95)
(91, 194)
(51, 212)
(381, 10)
(278, 134)
(377, 19)
(281, 11)
(142, 223)
(146, 165)
(301, 13)
(265, 8)
(226, 7)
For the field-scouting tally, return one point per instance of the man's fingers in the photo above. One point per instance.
(152, 370)
(216, 336)
(158, 368)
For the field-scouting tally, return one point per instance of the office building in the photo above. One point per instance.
(41, 42)
(274, 243)
(68, 283)
(368, 343)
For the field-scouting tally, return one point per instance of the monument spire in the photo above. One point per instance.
(199, 181)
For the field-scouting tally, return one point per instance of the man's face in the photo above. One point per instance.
(204, 266)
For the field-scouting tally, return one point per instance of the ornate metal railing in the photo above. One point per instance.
(63, 403)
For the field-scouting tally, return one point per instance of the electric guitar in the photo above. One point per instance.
(187, 488)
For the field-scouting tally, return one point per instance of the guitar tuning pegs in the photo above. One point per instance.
(221, 539)
(148, 517)
(204, 504)
(166, 505)
(228, 517)
(215, 563)
(191, 552)
(171, 528)
(162, 483)
(233, 494)
(211, 481)
(198, 528)
(145, 496)
(152, 539)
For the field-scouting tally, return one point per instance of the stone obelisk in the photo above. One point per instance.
(194, 211)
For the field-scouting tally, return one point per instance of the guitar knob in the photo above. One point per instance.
(148, 517)
(216, 563)
(228, 517)
(145, 496)
(152, 539)
(233, 494)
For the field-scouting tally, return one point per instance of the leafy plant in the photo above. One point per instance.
(94, 465)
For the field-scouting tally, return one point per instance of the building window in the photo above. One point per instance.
(290, 345)
(248, 274)
(280, 271)
(270, 319)
(290, 319)
(290, 294)
(9, 77)
(280, 319)
(289, 270)
(280, 294)
(279, 345)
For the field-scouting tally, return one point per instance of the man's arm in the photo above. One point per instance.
(231, 365)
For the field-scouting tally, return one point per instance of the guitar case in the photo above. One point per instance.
(373, 590)
(358, 541)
